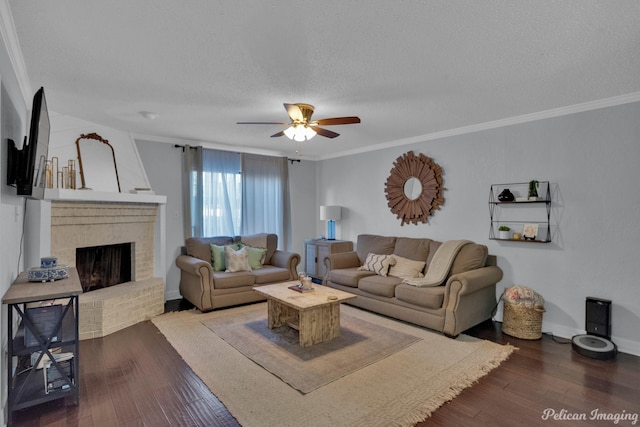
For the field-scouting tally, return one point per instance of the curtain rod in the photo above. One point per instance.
(194, 148)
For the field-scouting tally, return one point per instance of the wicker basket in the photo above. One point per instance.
(522, 322)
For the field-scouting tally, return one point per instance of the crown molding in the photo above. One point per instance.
(10, 39)
(541, 115)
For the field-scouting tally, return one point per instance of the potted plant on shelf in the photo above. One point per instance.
(533, 189)
(504, 232)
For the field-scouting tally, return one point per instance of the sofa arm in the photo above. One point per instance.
(470, 298)
(196, 281)
(341, 260)
(288, 260)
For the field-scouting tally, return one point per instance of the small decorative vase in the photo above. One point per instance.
(504, 234)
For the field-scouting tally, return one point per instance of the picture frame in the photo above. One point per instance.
(530, 231)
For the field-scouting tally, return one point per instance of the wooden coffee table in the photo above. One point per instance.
(315, 315)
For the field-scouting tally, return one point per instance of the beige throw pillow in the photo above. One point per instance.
(236, 260)
(379, 264)
(406, 268)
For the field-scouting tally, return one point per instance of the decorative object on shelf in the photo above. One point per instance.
(533, 189)
(101, 168)
(504, 232)
(517, 236)
(506, 196)
(414, 188)
(530, 231)
(48, 271)
(330, 214)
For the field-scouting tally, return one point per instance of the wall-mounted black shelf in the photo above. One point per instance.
(520, 190)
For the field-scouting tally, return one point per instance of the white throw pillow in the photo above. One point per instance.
(236, 260)
(379, 264)
(406, 268)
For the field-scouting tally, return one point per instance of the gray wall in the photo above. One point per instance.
(590, 158)
(13, 116)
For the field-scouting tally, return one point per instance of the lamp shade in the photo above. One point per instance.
(330, 213)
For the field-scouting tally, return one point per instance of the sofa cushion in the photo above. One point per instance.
(236, 260)
(378, 264)
(239, 279)
(424, 297)
(348, 276)
(270, 274)
(198, 247)
(370, 243)
(378, 285)
(412, 248)
(406, 268)
(470, 257)
(433, 248)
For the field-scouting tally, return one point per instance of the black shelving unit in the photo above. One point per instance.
(521, 201)
(47, 325)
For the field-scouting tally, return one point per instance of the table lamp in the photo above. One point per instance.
(330, 214)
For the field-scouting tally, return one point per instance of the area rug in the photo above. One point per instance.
(399, 390)
(307, 368)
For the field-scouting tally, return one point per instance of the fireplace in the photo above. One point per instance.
(98, 238)
(103, 266)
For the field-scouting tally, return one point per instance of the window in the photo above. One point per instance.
(230, 194)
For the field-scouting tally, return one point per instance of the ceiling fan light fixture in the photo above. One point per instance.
(299, 133)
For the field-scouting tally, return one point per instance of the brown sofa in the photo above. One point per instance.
(466, 297)
(207, 289)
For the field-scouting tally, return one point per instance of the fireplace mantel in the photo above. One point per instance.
(57, 194)
(38, 219)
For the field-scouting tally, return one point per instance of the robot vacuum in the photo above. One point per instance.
(594, 347)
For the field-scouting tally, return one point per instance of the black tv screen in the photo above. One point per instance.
(31, 163)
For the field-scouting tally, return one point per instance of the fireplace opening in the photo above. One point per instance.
(103, 266)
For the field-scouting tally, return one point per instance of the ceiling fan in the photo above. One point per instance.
(301, 127)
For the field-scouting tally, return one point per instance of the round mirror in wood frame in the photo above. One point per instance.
(407, 208)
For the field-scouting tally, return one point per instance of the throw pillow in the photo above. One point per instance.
(236, 260)
(256, 257)
(379, 264)
(218, 257)
(406, 268)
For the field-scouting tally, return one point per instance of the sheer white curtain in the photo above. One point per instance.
(229, 194)
(265, 196)
(212, 192)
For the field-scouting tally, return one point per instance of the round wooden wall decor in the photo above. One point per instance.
(414, 188)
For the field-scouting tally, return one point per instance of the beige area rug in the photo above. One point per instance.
(277, 350)
(400, 389)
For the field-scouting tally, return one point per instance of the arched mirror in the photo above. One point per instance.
(414, 188)
(97, 162)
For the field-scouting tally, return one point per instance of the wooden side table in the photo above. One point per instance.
(316, 250)
(48, 319)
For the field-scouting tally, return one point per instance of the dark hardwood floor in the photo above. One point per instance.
(134, 378)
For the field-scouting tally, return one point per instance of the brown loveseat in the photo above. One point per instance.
(466, 297)
(207, 288)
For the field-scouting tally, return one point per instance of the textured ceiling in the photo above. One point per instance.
(406, 68)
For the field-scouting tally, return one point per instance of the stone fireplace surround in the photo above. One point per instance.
(79, 223)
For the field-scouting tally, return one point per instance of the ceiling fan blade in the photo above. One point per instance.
(294, 112)
(275, 135)
(325, 132)
(337, 121)
(262, 123)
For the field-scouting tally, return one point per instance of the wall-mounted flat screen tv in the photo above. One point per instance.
(26, 168)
